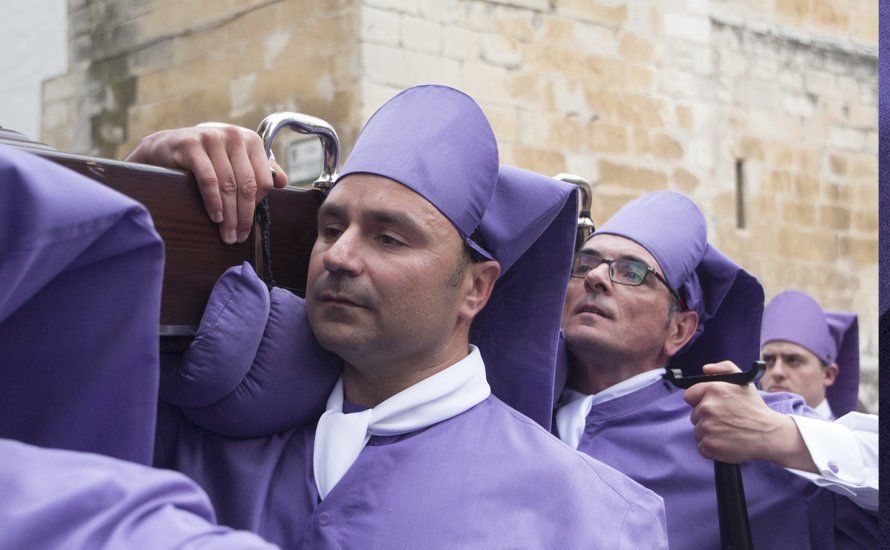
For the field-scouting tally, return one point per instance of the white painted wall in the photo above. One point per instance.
(33, 47)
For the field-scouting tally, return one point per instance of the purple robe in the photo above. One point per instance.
(64, 499)
(80, 288)
(489, 477)
(80, 283)
(648, 436)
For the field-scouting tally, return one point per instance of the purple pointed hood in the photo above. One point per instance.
(832, 336)
(437, 142)
(529, 227)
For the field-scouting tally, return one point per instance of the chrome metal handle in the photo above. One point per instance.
(305, 124)
(586, 226)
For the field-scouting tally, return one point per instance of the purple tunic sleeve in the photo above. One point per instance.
(80, 282)
(64, 499)
(789, 403)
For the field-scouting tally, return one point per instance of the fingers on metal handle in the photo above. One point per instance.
(752, 375)
(305, 124)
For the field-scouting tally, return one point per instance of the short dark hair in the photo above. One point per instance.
(673, 307)
(465, 259)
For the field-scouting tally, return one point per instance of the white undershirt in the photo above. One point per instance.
(845, 451)
(572, 415)
(824, 410)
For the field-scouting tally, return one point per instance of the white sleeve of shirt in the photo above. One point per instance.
(845, 452)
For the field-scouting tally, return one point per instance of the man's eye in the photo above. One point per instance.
(581, 269)
(330, 232)
(632, 273)
(388, 240)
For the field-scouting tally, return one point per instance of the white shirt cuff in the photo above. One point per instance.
(845, 453)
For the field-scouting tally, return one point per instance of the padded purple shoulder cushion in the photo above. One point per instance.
(251, 340)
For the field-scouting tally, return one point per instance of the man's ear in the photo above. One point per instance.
(681, 328)
(479, 280)
(830, 373)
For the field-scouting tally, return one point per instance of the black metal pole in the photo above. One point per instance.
(732, 509)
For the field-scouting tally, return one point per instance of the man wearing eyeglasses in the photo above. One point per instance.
(647, 291)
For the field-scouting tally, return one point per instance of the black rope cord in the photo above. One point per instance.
(264, 220)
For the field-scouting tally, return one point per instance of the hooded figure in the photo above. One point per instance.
(832, 336)
(80, 283)
(445, 462)
(640, 424)
(80, 287)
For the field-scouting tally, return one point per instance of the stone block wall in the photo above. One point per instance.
(767, 104)
(139, 66)
(687, 95)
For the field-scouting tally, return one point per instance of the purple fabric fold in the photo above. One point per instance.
(80, 283)
(63, 499)
(224, 346)
(530, 224)
(284, 381)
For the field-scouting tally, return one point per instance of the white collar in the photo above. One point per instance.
(824, 410)
(572, 415)
(340, 437)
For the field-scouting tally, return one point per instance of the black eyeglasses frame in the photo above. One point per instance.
(610, 263)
